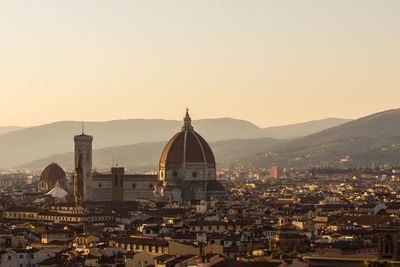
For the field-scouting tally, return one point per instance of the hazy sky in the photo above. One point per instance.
(270, 62)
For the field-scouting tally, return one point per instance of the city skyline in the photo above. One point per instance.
(202, 133)
(266, 62)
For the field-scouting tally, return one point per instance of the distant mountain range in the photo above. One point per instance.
(373, 139)
(33, 143)
(7, 129)
(145, 156)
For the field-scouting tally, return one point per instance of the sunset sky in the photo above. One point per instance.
(269, 62)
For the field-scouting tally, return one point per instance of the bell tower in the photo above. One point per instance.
(78, 182)
(83, 149)
(117, 174)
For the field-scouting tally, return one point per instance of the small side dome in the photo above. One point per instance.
(53, 173)
(215, 186)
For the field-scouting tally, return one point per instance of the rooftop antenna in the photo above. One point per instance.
(83, 127)
(112, 162)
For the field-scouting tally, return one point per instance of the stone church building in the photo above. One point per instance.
(187, 171)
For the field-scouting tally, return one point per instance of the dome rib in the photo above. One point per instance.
(201, 146)
(208, 153)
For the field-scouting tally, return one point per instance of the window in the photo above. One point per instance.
(100, 184)
(116, 180)
(133, 185)
(150, 186)
(162, 174)
(194, 174)
(21, 256)
(175, 174)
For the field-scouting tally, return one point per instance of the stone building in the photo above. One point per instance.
(118, 186)
(52, 175)
(290, 241)
(389, 243)
(78, 182)
(187, 165)
(83, 147)
(187, 172)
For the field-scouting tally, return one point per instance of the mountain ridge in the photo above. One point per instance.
(29, 144)
(371, 139)
(7, 129)
(145, 156)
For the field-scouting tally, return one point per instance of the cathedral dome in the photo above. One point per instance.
(187, 167)
(187, 146)
(53, 173)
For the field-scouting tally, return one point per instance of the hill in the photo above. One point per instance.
(145, 156)
(29, 144)
(7, 129)
(371, 139)
(302, 129)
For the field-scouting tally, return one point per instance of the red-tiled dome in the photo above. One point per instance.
(53, 173)
(187, 146)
